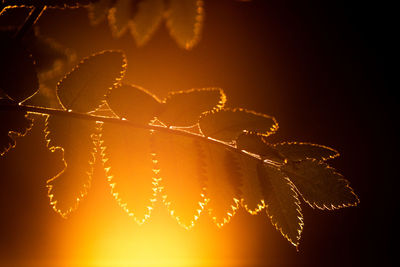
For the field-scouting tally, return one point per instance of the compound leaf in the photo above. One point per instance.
(130, 163)
(223, 182)
(183, 176)
(183, 108)
(85, 87)
(296, 151)
(133, 103)
(119, 16)
(185, 21)
(73, 137)
(255, 144)
(227, 124)
(320, 185)
(12, 122)
(282, 203)
(146, 20)
(18, 77)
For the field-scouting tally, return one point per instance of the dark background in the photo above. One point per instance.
(322, 69)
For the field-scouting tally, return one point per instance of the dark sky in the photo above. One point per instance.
(322, 68)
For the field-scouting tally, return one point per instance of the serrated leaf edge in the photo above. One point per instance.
(117, 80)
(337, 154)
(86, 187)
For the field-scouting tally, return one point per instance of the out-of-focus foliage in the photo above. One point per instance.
(184, 18)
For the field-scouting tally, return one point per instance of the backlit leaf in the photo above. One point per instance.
(85, 87)
(12, 121)
(254, 143)
(184, 108)
(133, 103)
(146, 20)
(228, 124)
(120, 15)
(98, 11)
(185, 21)
(73, 137)
(18, 78)
(183, 176)
(282, 203)
(223, 182)
(298, 151)
(319, 185)
(131, 167)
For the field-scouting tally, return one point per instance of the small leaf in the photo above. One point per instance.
(133, 103)
(98, 11)
(282, 203)
(18, 78)
(12, 122)
(223, 182)
(149, 15)
(184, 108)
(73, 137)
(228, 124)
(254, 143)
(119, 17)
(85, 87)
(296, 151)
(130, 163)
(185, 21)
(183, 176)
(319, 185)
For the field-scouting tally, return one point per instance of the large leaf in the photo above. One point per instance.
(319, 185)
(146, 20)
(85, 87)
(133, 103)
(223, 182)
(12, 122)
(185, 21)
(282, 203)
(183, 176)
(296, 151)
(50, 3)
(228, 124)
(255, 144)
(131, 166)
(18, 78)
(184, 108)
(120, 15)
(98, 11)
(73, 137)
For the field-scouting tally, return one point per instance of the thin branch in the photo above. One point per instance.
(33, 16)
(89, 117)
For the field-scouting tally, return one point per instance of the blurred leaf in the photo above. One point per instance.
(184, 108)
(98, 11)
(223, 182)
(228, 124)
(128, 159)
(12, 121)
(254, 143)
(296, 151)
(185, 21)
(18, 78)
(319, 185)
(120, 15)
(73, 137)
(282, 203)
(183, 176)
(85, 87)
(133, 103)
(50, 3)
(146, 20)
